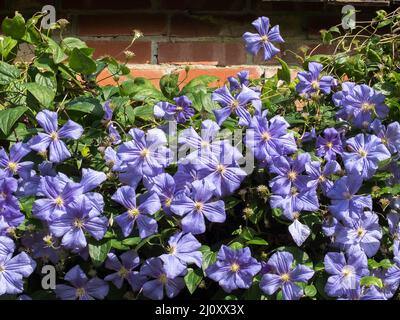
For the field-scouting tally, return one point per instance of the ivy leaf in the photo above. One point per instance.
(9, 117)
(310, 291)
(86, 105)
(209, 257)
(193, 279)
(70, 43)
(7, 46)
(8, 73)
(58, 54)
(371, 281)
(98, 252)
(44, 95)
(80, 62)
(14, 27)
(200, 81)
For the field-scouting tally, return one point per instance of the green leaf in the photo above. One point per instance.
(169, 85)
(284, 72)
(47, 79)
(8, 73)
(44, 95)
(193, 279)
(8, 118)
(371, 281)
(58, 54)
(116, 244)
(209, 257)
(203, 81)
(257, 241)
(70, 43)
(385, 263)
(80, 62)
(86, 105)
(14, 27)
(384, 23)
(310, 291)
(319, 266)
(7, 46)
(236, 245)
(26, 205)
(98, 252)
(145, 112)
(131, 241)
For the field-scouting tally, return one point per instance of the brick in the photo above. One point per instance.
(200, 25)
(296, 46)
(265, 7)
(142, 49)
(218, 53)
(122, 24)
(193, 26)
(105, 4)
(204, 5)
(28, 7)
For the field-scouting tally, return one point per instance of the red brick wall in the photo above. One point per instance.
(204, 33)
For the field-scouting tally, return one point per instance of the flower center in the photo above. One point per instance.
(198, 206)
(315, 85)
(134, 212)
(168, 202)
(123, 272)
(2, 268)
(285, 277)
(221, 168)
(145, 153)
(234, 105)
(367, 106)
(321, 178)
(163, 278)
(48, 240)
(54, 136)
(294, 191)
(235, 267)
(78, 223)
(347, 271)
(360, 232)
(13, 166)
(347, 195)
(266, 136)
(179, 108)
(80, 292)
(204, 144)
(59, 201)
(110, 163)
(264, 39)
(362, 152)
(329, 145)
(292, 175)
(171, 249)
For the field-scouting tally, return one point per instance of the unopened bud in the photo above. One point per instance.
(137, 34)
(62, 23)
